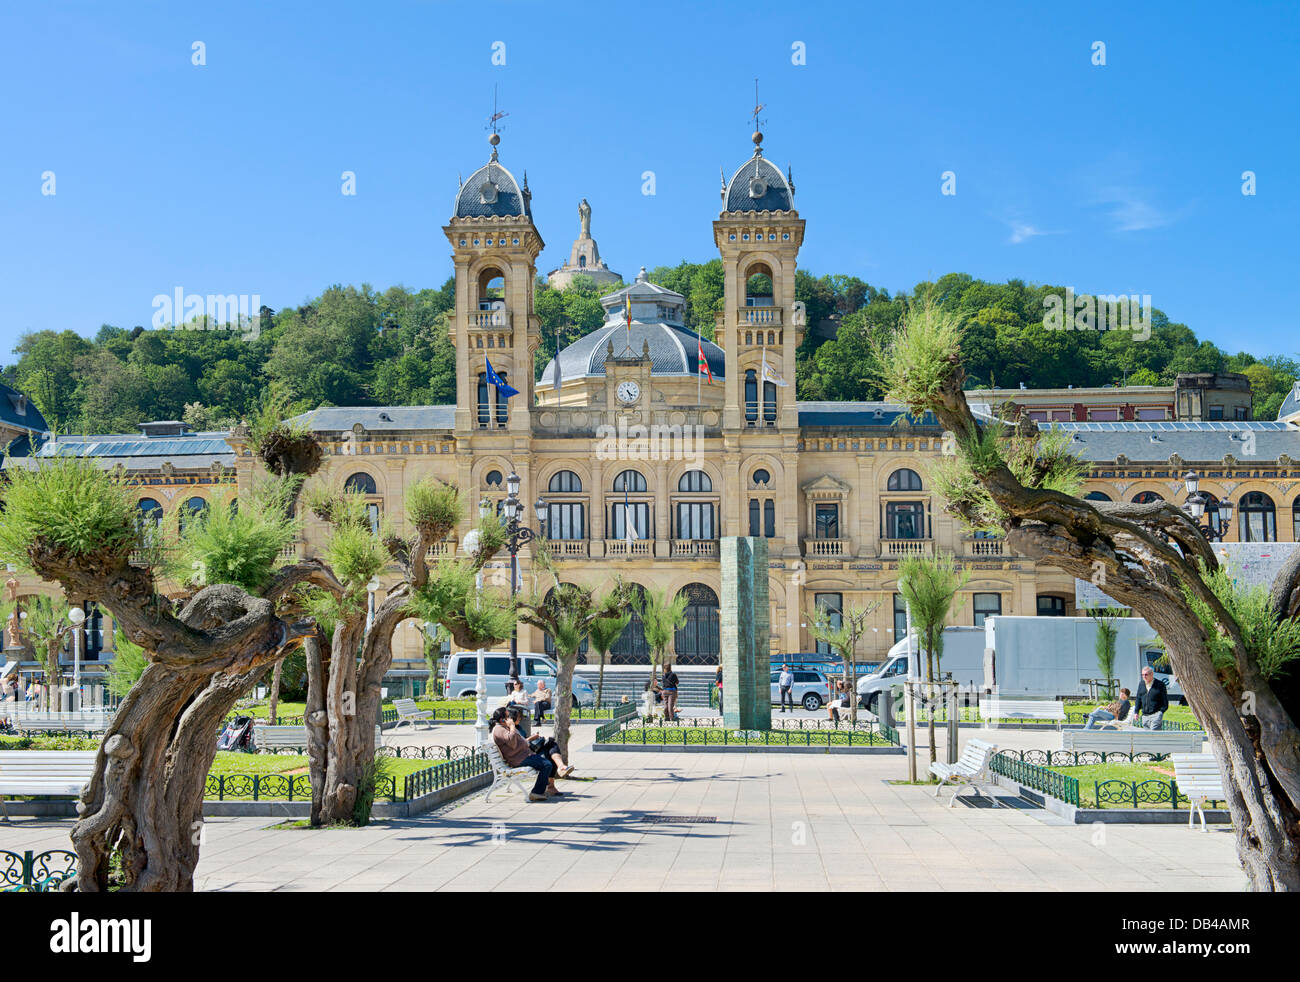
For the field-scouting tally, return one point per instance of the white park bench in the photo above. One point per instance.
(408, 713)
(1134, 740)
(60, 773)
(271, 738)
(1199, 780)
(504, 777)
(76, 721)
(971, 768)
(996, 709)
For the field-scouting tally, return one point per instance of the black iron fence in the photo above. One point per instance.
(1079, 758)
(444, 775)
(1053, 783)
(36, 872)
(1137, 793)
(639, 733)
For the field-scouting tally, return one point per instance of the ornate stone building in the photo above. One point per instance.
(648, 443)
(584, 257)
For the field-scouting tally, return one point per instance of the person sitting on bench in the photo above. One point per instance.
(516, 752)
(542, 697)
(1117, 710)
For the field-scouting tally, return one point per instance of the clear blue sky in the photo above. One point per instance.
(226, 178)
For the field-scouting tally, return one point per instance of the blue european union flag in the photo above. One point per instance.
(503, 390)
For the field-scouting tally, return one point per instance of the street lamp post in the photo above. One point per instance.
(517, 534)
(77, 617)
(1195, 507)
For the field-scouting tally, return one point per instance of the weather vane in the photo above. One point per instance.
(496, 114)
(758, 108)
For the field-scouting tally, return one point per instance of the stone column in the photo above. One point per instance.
(762, 621)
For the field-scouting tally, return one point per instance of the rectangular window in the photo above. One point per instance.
(372, 511)
(503, 405)
(639, 511)
(753, 516)
(905, 520)
(1051, 606)
(833, 603)
(986, 605)
(496, 666)
(695, 520)
(828, 522)
(1216, 412)
(769, 518)
(900, 617)
(466, 666)
(769, 402)
(565, 520)
(1239, 412)
(484, 405)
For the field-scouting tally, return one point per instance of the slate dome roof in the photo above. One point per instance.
(758, 186)
(673, 351)
(1291, 404)
(493, 192)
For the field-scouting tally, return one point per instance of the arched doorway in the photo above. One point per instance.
(698, 641)
(630, 648)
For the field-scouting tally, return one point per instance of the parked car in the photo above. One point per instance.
(461, 678)
(811, 689)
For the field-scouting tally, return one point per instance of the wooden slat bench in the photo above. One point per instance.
(270, 738)
(59, 773)
(407, 712)
(1199, 779)
(997, 709)
(1134, 740)
(77, 721)
(971, 768)
(503, 777)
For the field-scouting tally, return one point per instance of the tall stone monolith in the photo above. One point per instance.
(745, 628)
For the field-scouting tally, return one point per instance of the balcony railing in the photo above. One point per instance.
(707, 548)
(441, 550)
(826, 547)
(760, 316)
(986, 547)
(906, 547)
(488, 320)
(568, 548)
(637, 547)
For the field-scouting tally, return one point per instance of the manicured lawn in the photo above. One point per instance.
(1090, 775)
(294, 709)
(1176, 713)
(227, 762)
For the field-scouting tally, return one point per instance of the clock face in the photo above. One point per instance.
(628, 392)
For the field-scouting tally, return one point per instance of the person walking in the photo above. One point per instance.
(717, 685)
(1152, 701)
(785, 682)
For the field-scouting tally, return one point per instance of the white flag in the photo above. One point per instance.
(769, 373)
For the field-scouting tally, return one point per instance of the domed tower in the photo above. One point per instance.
(495, 247)
(758, 234)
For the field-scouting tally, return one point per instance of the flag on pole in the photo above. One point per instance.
(769, 373)
(503, 390)
(629, 526)
(703, 368)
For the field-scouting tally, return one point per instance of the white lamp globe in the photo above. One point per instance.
(471, 542)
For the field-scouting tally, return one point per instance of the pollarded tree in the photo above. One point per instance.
(1231, 649)
(347, 660)
(72, 523)
(568, 612)
(843, 639)
(930, 585)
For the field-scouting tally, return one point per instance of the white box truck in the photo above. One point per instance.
(963, 659)
(1045, 657)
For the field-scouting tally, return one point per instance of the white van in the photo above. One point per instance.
(963, 659)
(461, 678)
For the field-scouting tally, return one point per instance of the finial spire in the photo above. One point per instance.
(758, 123)
(497, 115)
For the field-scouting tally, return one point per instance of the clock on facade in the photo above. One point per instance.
(628, 392)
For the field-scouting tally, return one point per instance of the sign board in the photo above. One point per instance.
(1250, 563)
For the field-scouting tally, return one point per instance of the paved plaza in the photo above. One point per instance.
(772, 822)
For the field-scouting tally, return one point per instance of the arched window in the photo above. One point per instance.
(631, 481)
(694, 481)
(193, 507)
(751, 396)
(630, 648)
(548, 642)
(904, 479)
(360, 483)
(1096, 496)
(1146, 498)
(1295, 519)
(1212, 517)
(565, 482)
(697, 642)
(762, 477)
(148, 518)
(1258, 522)
(493, 479)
